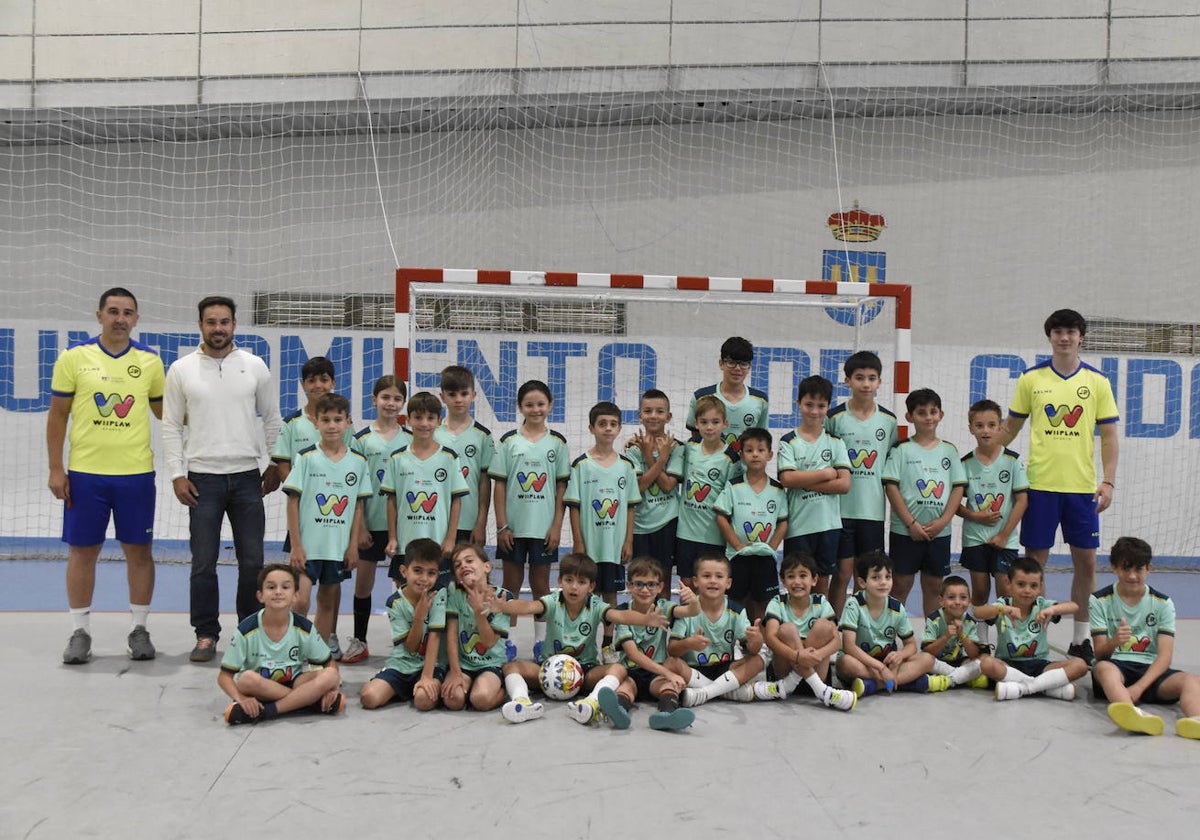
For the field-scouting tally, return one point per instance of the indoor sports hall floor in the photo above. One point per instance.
(139, 750)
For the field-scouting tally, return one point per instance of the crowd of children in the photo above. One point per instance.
(706, 509)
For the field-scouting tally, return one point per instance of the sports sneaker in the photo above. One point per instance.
(834, 699)
(356, 651)
(335, 649)
(608, 656)
(235, 715)
(862, 688)
(938, 682)
(583, 711)
(965, 673)
(1063, 692)
(979, 682)
(335, 707)
(510, 650)
(677, 719)
(610, 704)
(1132, 719)
(743, 693)
(764, 690)
(537, 652)
(139, 645)
(79, 648)
(205, 649)
(1188, 727)
(1083, 650)
(522, 709)
(692, 697)
(1009, 690)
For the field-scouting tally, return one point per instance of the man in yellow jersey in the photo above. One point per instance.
(1065, 401)
(106, 388)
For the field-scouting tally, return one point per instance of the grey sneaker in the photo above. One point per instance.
(334, 648)
(79, 648)
(205, 649)
(139, 645)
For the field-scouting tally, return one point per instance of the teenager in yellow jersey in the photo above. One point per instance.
(106, 388)
(1065, 401)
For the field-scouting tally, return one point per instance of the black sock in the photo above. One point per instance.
(607, 641)
(668, 702)
(624, 702)
(362, 614)
(269, 710)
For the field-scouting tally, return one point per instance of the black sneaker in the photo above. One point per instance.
(1084, 651)
(235, 714)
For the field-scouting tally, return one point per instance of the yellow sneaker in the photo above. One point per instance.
(979, 682)
(1132, 719)
(1188, 727)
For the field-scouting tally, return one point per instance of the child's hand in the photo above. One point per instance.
(893, 659)
(1043, 618)
(954, 628)
(481, 600)
(998, 541)
(250, 705)
(917, 532)
(298, 557)
(656, 619)
(987, 517)
(1011, 612)
(697, 641)
(1124, 634)
(674, 681)
(504, 540)
(686, 595)
(365, 539)
(754, 635)
(552, 538)
(626, 553)
(389, 550)
(806, 657)
(932, 530)
(887, 675)
(350, 558)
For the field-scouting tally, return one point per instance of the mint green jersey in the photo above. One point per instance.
(727, 630)
(400, 613)
(1024, 638)
(1149, 618)
(658, 506)
(750, 412)
(296, 434)
(876, 636)
(867, 444)
(424, 489)
(935, 626)
(755, 515)
(811, 511)
(475, 449)
(803, 616)
(251, 649)
(652, 641)
(377, 450)
(573, 636)
(992, 487)
(604, 497)
(701, 482)
(926, 477)
(329, 491)
(472, 655)
(530, 470)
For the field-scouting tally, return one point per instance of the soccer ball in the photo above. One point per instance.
(561, 677)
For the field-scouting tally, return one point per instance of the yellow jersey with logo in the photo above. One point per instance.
(110, 406)
(1063, 413)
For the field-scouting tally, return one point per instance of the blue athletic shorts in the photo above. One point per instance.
(929, 557)
(860, 536)
(688, 552)
(658, 544)
(403, 684)
(530, 550)
(128, 499)
(610, 577)
(822, 545)
(987, 559)
(1076, 512)
(1131, 672)
(326, 571)
(1028, 667)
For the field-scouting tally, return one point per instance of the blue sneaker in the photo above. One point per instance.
(610, 704)
(510, 650)
(537, 651)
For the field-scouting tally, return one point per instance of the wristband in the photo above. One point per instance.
(1110, 484)
(502, 529)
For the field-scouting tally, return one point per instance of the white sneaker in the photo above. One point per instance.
(1009, 690)
(1063, 692)
(764, 690)
(356, 651)
(965, 673)
(608, 656)
(743, 693)
(583, 711)
(334, 647)
(834, 699)
(522, 709)
(692, 697)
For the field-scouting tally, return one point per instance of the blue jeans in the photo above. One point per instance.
(238, 496)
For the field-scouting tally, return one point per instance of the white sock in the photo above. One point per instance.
(698, 680)
(1011, 674)
(81, 618)
(985, 632)
(516, 687)
(1082, 632)
(965, 672)
(721, 686)
(943, 668)
(539, 631)
(1048, 679)
(605, 682)
(140, 613)
(788, 684)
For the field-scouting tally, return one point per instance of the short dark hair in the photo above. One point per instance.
(456, 378)
(423, 549)
(953, 580)
(815, 386)
(330, 403)
(534, 385)
(278, 567)
(117, 291)
(1065, 319)
(713, 557)
(389, 381)
(216, 300)
(754, 433)
(860, 360)
(980, 406)
(868, 562)
(316, 366)
(579, 565)
(737, 349)
(798, 559)
(920, 397)
(655, 394)
(1025, 564)
(423, 402)
(1130, 553)
(644, 566)
(604, 408)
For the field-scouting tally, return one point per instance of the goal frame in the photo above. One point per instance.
(750, 286)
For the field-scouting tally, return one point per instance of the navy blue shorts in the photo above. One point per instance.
(610, 577)
(642, 679)
(1131, 672)
(128, 499)
(658, 544)
(859, 536)
(688, 552)
(376, 552)
(822, 545)
(326, 572)
(929, 557)
(1028, 667)
(1075, 512)
(987, 559)
(531, 550)
(403, 684)
(755, 577)
(713, 671)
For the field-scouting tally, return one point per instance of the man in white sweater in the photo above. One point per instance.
(224, 398)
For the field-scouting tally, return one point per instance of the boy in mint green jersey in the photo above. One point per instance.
(473, 444)
(1133, 632)
(708, 464)
(745, 407)
(924, 482)
(658, 459)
